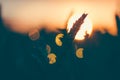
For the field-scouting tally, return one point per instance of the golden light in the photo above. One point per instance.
(85, 27)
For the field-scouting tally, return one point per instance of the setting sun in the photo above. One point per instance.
(85, 27)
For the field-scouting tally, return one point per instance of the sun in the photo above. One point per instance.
(85, 27)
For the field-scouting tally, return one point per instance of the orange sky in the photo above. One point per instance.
(24, 15)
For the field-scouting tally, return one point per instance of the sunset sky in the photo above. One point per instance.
(27, 14)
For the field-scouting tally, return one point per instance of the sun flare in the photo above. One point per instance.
(85, 27)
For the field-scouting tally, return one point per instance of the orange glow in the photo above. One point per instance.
(85, 27)
(24, 15)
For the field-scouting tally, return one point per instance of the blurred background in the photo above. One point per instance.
(54, 14)
(19, 56)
